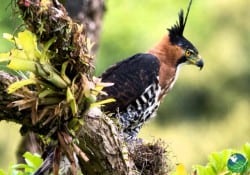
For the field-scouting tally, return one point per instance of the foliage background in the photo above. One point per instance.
(207, 110)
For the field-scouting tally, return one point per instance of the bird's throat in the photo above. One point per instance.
(168, 55)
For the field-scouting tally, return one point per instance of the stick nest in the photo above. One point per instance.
(151, 158)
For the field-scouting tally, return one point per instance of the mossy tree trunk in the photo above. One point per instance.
(90, 15)
(84, 131)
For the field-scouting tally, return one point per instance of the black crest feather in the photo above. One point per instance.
(178, 28)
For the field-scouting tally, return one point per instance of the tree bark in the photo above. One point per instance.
(89, 13)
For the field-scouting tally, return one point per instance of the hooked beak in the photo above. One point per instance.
(197, 61)
(200, 63)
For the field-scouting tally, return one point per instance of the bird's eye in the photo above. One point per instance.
(188, 53)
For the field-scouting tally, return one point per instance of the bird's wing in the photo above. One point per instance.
(130, 77)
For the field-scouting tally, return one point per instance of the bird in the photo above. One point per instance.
(141, 81)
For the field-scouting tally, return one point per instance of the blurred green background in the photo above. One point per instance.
(207, 110)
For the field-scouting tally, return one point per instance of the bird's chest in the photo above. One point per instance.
(143, 108)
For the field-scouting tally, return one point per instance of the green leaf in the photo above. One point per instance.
(50, 74)
(45, 52)
(2, 172)
(46, 92)
(3, 67)
(20, 166)
(71, 99)
(33, 160)
(16, 85)
(218, 160)
(63, 72)
(5, 57)
(16, 172)
(9, 37)
(103, 102)
(28, 42)
(23, 65)
(246, 150)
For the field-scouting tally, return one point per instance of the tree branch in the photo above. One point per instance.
(99, 147)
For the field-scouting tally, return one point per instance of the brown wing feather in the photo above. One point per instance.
(130, 77)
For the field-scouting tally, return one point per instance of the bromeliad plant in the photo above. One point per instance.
(34, 63)
(41, 82)
(55, 99)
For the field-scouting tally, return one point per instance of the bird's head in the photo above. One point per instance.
(173, 50)
(189, 54)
